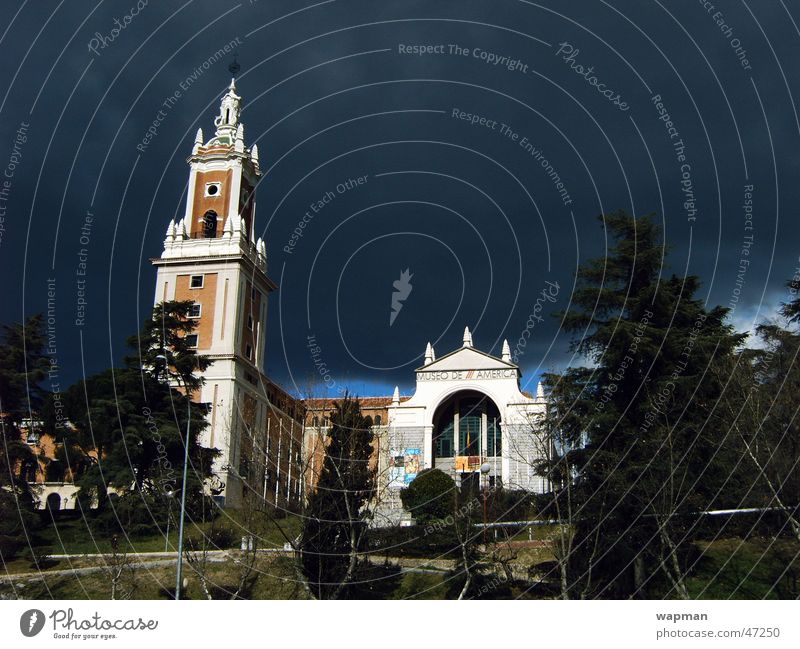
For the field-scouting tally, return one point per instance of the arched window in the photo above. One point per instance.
(315, 422)
(210, 225)
(467, 424)
(53, 502)
(378, 420)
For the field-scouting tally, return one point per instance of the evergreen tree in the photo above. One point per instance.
(336, 517)
(163, 347)
(23, 366)
(649, 459)
(129, 425)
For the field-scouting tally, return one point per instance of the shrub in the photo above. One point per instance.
(431, 496)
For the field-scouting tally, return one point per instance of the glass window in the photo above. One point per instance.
(443, 442)
(469, 435)
(191, 340)
(194, 310)
(469, 427)
(444, 434)
(493, 438)
(196, 281)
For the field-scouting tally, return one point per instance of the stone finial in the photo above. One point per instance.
(396, 396)
(428, 354)
(227, 230)
(539, 390)
(198, 140)
(506, 352)
(467, 337)
(239, 143)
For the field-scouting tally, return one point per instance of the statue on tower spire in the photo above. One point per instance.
(234, 67)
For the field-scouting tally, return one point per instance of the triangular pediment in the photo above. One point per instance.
(466, 358)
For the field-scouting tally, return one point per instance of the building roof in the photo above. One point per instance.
(366, 402)
(466, 358)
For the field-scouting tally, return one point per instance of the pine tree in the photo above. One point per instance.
(23, 366)
(337, 514)
(649, 458)
(130, 424)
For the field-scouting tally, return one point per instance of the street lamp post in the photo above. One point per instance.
(179, 572)
(162, 358)
(485, 468)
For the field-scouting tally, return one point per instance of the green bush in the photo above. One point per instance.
(430, 496)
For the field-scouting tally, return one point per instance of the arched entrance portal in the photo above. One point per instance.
(53, 502)
(466, 433)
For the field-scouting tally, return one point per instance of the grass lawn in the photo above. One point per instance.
(757, 568)
(73, 536)
(274, 579)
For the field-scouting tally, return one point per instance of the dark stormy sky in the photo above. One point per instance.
(333, 91)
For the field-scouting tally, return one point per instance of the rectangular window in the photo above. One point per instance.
(253, 294)
(469, 435)
(191, 341)
(250, 322)
(248, 351)
(195, 310)
(196, 281)
(443, 443)
(493, 439)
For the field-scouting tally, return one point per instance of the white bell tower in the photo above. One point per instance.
(210, 258)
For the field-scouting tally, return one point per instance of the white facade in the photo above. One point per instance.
(465, 389)
(214, 247)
